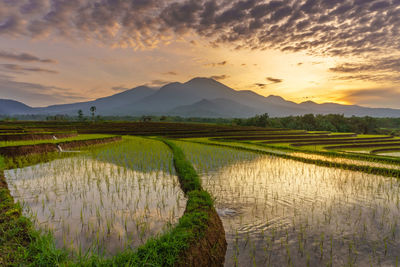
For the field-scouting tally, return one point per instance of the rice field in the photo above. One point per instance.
(278, 203)
(390, 154)
(103, 201)
(279, 212)
(54, 140)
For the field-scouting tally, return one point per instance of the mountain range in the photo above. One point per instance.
(199, 97)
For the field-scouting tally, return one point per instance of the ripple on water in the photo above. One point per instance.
(291, 213)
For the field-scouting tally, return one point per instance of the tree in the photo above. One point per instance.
(80, 115)
(93, 111)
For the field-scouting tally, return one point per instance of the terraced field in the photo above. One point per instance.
(196, 195)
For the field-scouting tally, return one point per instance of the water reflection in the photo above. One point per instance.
(98, 206)
(289, 213)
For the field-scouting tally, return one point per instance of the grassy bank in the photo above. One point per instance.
(184, 245)
(53, 141)
(367, 169)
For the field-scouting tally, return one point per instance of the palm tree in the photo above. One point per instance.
(93, 111)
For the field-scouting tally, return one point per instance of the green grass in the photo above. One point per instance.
(22, 245)
(52, 141)
(353, 167)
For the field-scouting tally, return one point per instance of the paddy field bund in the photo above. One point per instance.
(241, 157)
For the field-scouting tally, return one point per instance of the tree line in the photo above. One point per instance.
(330, 122)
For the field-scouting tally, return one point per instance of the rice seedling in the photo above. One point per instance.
(105, 200)
(312, 215)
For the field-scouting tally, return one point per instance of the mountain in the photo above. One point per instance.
(349, 110)
(111, 105)
(9, 107)
(216, 108)
(199, 97)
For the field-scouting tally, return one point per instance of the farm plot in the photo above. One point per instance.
(104, 201)
(390, 154)
(54, 140)
(279, 212)
(337, 158)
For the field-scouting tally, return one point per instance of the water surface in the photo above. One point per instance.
(110, 199)
(279, 212)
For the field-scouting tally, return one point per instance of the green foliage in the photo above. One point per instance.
(52, 141)
(22, 245)
(353, 167)
(310, 122)
(258, 120)
(2, 163)
(187, 175)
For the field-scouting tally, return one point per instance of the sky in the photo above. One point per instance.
(64, 51)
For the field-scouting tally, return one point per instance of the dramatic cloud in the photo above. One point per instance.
(21, 69)
(219, 77)
(379, 69)
(274, 80)
(323, 27)
(23, 57)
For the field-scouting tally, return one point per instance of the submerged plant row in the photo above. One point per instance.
(113, 205)
(384, 171)
(282, 212)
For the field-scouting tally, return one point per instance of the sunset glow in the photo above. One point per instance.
(54, 51)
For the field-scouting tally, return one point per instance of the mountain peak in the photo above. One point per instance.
(308, 102)
(276, 97)
(202, 81)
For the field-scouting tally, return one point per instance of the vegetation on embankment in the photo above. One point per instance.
(34, 136)
(293, 138)
(368, 145)
(353, 167)
(39, 148)
(333, 154)
(208, 246)
(346, 142)
(54, 141)
(20, 243)
(392, 149)
(197, 240)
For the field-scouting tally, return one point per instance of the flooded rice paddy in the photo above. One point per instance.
(103, 201)
(347, 160)
(391, 154)
(279, 212)
(360, 162)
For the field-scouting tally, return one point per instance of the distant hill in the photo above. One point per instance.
(9, 107)
(199, 97)
(218, 108)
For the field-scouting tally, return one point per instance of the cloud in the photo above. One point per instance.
(378, 69)
(36, 94)
(24, 57)
(222, 63)
(219, 77)
(317, 27)
(376, 97)
(274, 80)
(21, 69)
(170, 73)
(261, 85)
